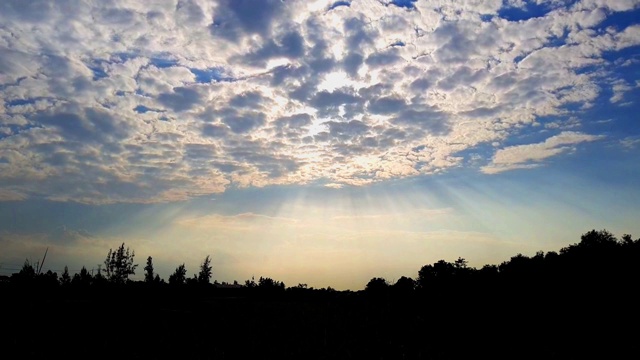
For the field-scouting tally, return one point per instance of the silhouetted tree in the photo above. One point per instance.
(592, 241)
(119, 265)
(27, 274)
(250, 283)
(148, 271)
(27, 271)
(49, 279)
(83, 278)
(376, 285)
(179, 276)
(269, 285)
(438, 273)
(489, 269)
(98, 278)
(404, 285)
(192, 280)
(487, 275)
(460, 263)
(65, 278)
(596, 238)
(517, 265)
(204, 276)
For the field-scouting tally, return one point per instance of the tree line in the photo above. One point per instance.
(577, 303)
(598, 256)
(120, 264)
(599, 259)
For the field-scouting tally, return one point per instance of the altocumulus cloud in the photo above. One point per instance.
(531, 155)
(130, 101)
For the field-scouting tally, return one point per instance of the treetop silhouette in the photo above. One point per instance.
(119, 265)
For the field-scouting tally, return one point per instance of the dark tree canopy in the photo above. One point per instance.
(148, 271)
(65, 278)
(119, 265)
(179, 276)
(204, 276)
(404, 284)
(377, 284)
(83, 278)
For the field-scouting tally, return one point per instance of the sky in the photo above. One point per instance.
(316, 142)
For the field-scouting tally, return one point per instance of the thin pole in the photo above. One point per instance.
(41, 264)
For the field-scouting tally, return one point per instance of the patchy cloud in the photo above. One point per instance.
(531, 155)
(8, 195)
(630, 142)
(105, 102)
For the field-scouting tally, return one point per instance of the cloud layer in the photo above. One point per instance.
(127, 101)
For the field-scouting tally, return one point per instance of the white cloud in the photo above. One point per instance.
(128, 101)
(8, 195)
(619, 89)
(531, 155)
(621, 5)
(630, 142)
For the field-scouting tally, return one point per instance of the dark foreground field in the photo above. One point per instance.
(314, 324)
(580, 303)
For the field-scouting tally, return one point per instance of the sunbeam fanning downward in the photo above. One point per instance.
(337, 237)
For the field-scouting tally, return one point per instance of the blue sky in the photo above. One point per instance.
(319, 142)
